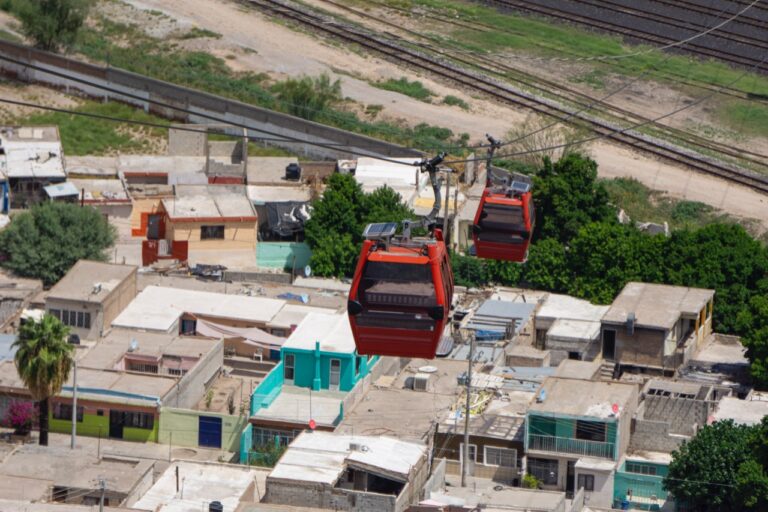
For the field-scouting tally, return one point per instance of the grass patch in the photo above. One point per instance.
(414, 89)
(594, 79)
(456, 102)
(87, 136)
(129, 48)
(645, 205)
(10, 36)
(197, 32)
(745, 117)
(505, 31)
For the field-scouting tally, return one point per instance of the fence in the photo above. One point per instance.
(143, 91)
(568, 445)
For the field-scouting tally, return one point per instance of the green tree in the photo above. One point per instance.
(308, 97)
(752, 322)
(568, 196)
(468, 271)
(547, 266)
(705, 471)
(46, 241)
(53, 24)
(43, 360)
(335, 230)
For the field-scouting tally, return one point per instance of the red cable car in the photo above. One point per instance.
(401, 295)
(504, 222)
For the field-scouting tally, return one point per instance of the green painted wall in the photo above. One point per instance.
(180, 427)
(641, 485)
(565, 427)
(281, 255)
(93, 425)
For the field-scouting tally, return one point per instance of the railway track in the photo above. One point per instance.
(603, 15)
(566, 94)
(506, 93)
(482, 27)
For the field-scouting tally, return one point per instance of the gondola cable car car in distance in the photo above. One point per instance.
(505, 218)
(402, 290)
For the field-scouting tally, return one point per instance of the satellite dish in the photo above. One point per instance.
(307, 271)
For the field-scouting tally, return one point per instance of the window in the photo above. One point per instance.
(188, 326)
(64, 412)
(500, 457)
(266, 437)
(503, 224)
(586, 481)
(138, 420)
(472, 452)
(212, 233)
(142, 367)
(334, 374)
(640, 468)
(99, 412)
(80, 319)
(590, 430)
(176, 372)
(358, 362)
(545, 470)
(289, 367)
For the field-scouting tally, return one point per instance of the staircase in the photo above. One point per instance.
(607, 370)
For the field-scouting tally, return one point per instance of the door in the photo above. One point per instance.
(209, 433)
(153, 227)
(609, 344)
(569, 478)
(116, 423)
(335, 377)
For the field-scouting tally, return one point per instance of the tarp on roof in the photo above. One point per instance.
(287, 218)
(65, 189)
(252, 335)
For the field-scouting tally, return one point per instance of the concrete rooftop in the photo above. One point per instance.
(31, 152)
(656, 305)
(743, 412)
(482, 491)
(298, 405)
(269, 170)
(582, 398)
(202, 483)
(333, 332)
(557, 306)
(91, 281)
(209, 202)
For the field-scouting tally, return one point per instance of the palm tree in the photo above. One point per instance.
(43, 360)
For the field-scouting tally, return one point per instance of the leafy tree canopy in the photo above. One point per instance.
(47, 240)
(52, 24)
(335, 230)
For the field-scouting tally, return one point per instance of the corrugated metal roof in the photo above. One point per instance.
(65, 189)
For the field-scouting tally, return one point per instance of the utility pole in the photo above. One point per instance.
(465, 453)
(103, 487)
(74, 406)
(447, 202)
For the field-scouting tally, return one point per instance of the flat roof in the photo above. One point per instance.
(109, 351)
(262, 194)
(484, 491)
(656, 305)
(574, 330)
(20, 288)
(649, 456)
(267, 170)
(743, 412)
(59, 467)
(158, 308)
(209, 202)
(103, 190)
(391, 408)
(293, 314)
(299, 405)
(332, 331)
(574, 369)
(203, 482)
(96, 166)
(558, 306)
(66, 189)
(595, 464)
(585, 398)
(32, 152)
(120, 387)
(91, 281)
(322, 457)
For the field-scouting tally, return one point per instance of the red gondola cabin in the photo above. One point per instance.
(504, 223)
(401, 295)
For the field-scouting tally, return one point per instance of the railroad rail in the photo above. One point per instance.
(594, 14)
(567, 94)
(506, 93)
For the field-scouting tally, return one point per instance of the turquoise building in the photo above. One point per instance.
(638, 484)
(319, 365)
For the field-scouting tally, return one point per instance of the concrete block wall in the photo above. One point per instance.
(321, 496)
(654, 436)
(682, 414)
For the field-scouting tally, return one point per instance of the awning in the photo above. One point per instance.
(252, 335)
(65, 189)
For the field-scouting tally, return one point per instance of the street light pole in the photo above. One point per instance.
(74, 407)
(465, 451)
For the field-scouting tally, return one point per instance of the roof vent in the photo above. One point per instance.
(542, 396)
(631, 324)
(134, 345)
(215, 506)
(96, 288)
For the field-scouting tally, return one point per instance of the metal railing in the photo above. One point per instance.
(568, 445)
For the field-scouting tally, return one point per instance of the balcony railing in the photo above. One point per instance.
(568, 445)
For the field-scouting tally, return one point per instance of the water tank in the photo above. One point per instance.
(215, 506)
(293, 172)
